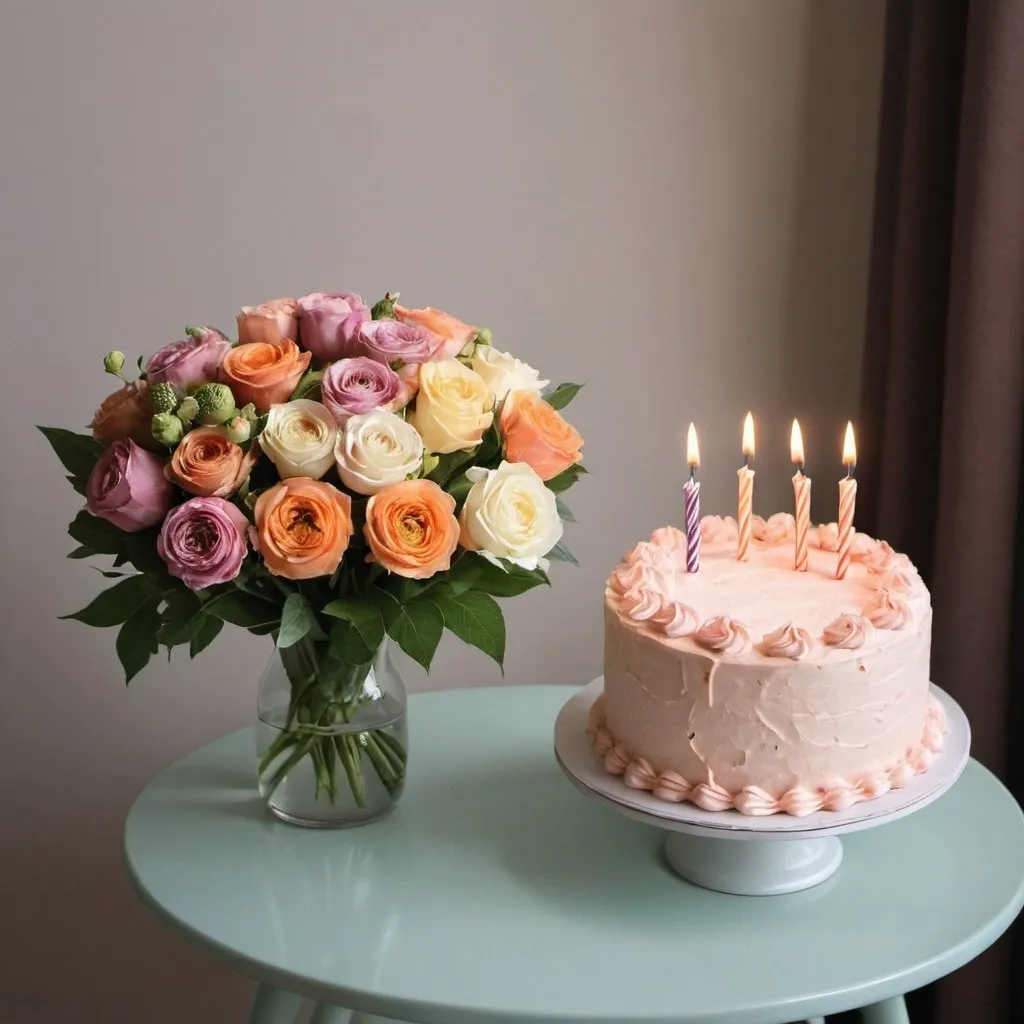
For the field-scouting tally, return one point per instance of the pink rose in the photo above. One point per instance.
(328, 322)
(127, 487)
(189, 361)
(359, 385)
(203, 542)
(269, 321)
(448, 335)
(390, 341)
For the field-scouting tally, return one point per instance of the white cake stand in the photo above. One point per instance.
(776, 854)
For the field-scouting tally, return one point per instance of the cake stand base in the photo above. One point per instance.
(751, 856)
(752, 868)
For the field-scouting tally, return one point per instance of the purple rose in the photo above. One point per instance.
(203, 542)
(190, 361)
(359, 385)
(390, 341)
(328, 322)
(127, 487)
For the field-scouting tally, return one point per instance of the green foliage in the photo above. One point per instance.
(561, 396)
(366, 618)
(474, 617)
(560, 553)
(472, 571)
(245, 610)
(564, 512)
(137, 639)
(208, 629)
(181, 619)
(298, 619)
(99, 536)
(416, 627)
(78, 453)
(566, 478)
(384, 309)
(308, 387)
(116, 605)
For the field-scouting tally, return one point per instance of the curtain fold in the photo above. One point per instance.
(943, 402)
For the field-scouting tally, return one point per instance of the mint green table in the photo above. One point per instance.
(497, 894)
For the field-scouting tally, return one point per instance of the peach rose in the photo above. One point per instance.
(303, 527)
(269, 321)
(264, 372)
(209, 465)
(536, 434)
(125, 413)
(411, 528)
(448, 336)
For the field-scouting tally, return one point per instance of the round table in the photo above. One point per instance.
(496, 893)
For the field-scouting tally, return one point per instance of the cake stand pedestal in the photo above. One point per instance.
(748, 856)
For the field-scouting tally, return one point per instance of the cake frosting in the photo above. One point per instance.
(752, 686)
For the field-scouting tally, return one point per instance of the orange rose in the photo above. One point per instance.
(536, 434)
(207, 464)
(448, 336)
(125, 413)
(263, 372)
(411, 528)
(269, 321)
(303, 527)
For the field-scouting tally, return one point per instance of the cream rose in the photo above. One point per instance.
(509, 513)
(453, 407)
(502, 372)
(299, 438)
(376, 449)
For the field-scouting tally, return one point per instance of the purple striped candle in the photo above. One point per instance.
(692, 493)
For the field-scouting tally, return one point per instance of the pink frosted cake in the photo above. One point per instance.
(749, 685)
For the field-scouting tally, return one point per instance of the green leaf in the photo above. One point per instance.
(81, 552)
(115, 605)
(561, 396)
(566, 478)
(488, 454)
(181, 618)
(459, 488)
(77, 452)
(475, 618)
(416, 627)
(207, 633)
(450, 465)
(564, 512)
(384, 309)
(472, 571)
(560, 553)
(297, 619)
(137, 639)
(365, 617)
(96, 534)
(140, 550)
(244, 610)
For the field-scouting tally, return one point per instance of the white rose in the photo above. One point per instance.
(509, 513)
(503, 373)
(376, 449)
(299, 438)
(453, 407)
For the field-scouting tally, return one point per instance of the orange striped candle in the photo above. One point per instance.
(802, 494)
(745, 510)
(847, 502)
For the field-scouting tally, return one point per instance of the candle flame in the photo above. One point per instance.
(849, 447)
(796, 444)
(692, 451)
(748, 436)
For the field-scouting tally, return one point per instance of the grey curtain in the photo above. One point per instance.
(943, 402)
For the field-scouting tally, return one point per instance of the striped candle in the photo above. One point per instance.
(745, 511)
(802, 493)
(847, 502)
(692, 492)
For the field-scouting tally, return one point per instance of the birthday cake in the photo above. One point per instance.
(750, 685)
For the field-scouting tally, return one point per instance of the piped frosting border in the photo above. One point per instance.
(836, 795)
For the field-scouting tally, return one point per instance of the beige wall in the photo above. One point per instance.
(669, 200)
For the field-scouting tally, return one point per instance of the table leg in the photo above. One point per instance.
(890, 1011)
(274, 1006)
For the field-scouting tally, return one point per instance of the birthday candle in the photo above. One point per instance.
(847, 502)
(746, 490)
(802, 494)
(692, 492)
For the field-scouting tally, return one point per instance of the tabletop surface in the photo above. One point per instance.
(496, 893)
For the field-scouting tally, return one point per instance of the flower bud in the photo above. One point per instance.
(163, 397)
(188, 410)
(113, 362)
(239, 429)
(216, 404)
(249, 412)
(484, 337)
(385, 309)
(167, 428)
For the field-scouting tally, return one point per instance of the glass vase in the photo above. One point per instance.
(331, 736)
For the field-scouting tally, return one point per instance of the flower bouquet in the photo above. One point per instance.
(337, 476)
